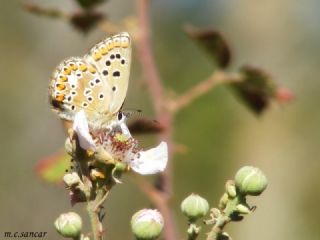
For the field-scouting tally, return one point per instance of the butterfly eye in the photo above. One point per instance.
(120, 116)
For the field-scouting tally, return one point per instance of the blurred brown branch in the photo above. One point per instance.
(48, 12)
(164, 117)
(201, 88)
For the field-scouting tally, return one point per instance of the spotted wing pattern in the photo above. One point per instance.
(96, 83)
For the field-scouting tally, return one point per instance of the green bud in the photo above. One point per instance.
(231, 189)
(251, 181)
(69, 225)
(71, 179)
(242, 209)
(223, 201)
(194, 207)
(147, 224)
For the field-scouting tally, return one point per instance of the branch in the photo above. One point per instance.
(163, 115)
(146, 56)
(218, 77)
(49, 12)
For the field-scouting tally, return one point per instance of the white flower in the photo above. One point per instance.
(80, 126)
(118, 141)
(151, 161)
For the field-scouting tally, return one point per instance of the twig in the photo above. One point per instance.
(49, 12)
(163, 115)
(218, 77)
(146, 56)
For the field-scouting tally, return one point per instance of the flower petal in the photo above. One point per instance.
(125, 130)
(151, 161)
(80, 126)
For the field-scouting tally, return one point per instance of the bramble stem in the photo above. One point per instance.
(163, 115)
(218, 77)
(224, 218)
(193, 231)
(94, 208)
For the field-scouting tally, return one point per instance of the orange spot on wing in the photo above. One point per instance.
(83, 67)
(92, 70)
(63, 78)
(117, 42)
(124, 42)
(61, 86)
(104, 50)
(73, 67)
(110, 46)
(67, 71)
(97, 56)
(60, 97)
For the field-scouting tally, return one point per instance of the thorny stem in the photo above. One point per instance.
(94, 209)
(163, 115)
(217, 228)
(161, 195)
(193, 231)
(224, 218)
(49, 12)
(218, 77)
(95, 194)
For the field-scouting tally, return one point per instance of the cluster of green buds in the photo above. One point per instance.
(249, 181)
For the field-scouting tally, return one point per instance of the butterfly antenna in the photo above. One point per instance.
(132, 112)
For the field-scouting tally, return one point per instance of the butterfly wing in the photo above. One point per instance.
(112, 58)
(77, 85)
(96, 83)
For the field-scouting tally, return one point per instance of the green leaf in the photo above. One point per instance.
(213, 43)
(256, 90)
(52, 168)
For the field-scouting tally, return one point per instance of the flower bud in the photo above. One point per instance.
(242, 209)
(250, 181)
(71, 179)
(231, 189)
(147, 224)
(69, 224)
(194, 207)
(223, 201)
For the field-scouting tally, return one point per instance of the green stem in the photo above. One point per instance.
(193, 231)
(224, 218)
(93, 209)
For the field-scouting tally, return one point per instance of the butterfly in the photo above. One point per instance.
(96, 83)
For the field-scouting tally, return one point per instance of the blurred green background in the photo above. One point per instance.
(219, 132)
